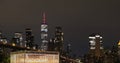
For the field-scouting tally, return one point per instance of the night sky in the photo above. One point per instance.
(79, 19)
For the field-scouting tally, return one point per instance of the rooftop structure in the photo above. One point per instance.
(34, 57)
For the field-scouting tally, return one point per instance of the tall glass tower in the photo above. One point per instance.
(44, 34)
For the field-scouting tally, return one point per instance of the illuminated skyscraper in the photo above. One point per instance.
(18, 39)
(96, 44)
(59, 39)
(29, 38)
(44, 34)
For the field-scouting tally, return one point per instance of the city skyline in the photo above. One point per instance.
(78, 19)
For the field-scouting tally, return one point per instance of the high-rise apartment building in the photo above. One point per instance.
(96, 44)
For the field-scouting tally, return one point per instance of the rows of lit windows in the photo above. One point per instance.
(34, 58)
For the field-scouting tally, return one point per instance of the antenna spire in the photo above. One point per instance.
(44, 18)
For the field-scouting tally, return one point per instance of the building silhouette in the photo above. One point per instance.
(17, 39)
(29, 38)
(51, 45)
(56, 43)
(59, 39)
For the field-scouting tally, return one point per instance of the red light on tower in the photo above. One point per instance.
(44, 18)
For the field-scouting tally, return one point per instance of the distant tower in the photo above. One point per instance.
(2, 38)
(19, 38)
(59, 39)
(29, 38)
(96, 44)
(44, 34)
(68, 48)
